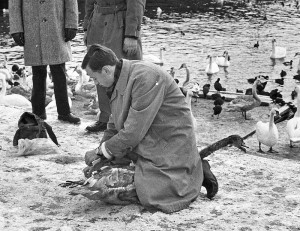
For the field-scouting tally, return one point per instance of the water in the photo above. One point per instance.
(234, 28)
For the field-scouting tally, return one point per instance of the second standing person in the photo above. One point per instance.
(116, 25)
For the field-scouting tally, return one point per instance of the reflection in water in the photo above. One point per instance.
(189, 37)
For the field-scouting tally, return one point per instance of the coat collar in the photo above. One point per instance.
(123, 79)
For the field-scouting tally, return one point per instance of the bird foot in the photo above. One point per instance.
(272, 151)
(261, 151)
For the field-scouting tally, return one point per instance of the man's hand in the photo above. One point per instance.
(91, 156)
(130, 46)
(19, 38)
(70, 33)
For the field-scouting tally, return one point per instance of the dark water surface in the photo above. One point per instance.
(235, 27)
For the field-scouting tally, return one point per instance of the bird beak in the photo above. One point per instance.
(243, 147)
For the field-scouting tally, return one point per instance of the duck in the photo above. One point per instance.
(223, 61)
(215, 96)
(211, 67)
(205, 89)
(267, 132)
(277, 52)
(244, 103)
(293, 125)
(296, 77)
(217, 110)
(275, 94)
(282, 73)
(256, 45)
(279, 81)
(219, 101)
(14, 100)
(152, 58)
(218, 85)
(288, 63)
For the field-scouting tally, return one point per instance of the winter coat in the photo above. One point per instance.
(43, 23)
(151, 119)
(107, 23)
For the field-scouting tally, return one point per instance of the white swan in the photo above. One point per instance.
(277, 52)
(154, 59)
(293, 125)
(223, 61)
(211, 67)
(188, 100)
(298, 66)
(13, 99)
(267, 132)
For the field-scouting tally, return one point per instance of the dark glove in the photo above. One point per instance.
(70, 33)
(19, 38)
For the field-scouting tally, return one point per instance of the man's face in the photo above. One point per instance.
(104, 78)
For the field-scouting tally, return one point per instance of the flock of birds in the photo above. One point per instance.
(267, 133)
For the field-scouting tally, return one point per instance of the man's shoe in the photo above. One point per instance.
(97, 127)
(210, 181)
(69, 118)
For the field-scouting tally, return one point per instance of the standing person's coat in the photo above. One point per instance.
(151, 119)
(43, 23)
(108, 22)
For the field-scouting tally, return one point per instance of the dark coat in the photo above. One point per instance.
(151, 119)
(108, 22)
(43, 23)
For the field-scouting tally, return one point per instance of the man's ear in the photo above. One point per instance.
(106, 69)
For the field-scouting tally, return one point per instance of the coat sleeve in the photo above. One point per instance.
(71, 14)
(110, 131)
(15, 16)
(134, 15)
(147, 97)
(89, 8)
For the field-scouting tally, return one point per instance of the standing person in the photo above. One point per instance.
(151, 125)
(116, 25)
(45, 28)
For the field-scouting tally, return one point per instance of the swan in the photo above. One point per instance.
(267, 132)
(298, 66)
(244, 103)
(115, 185)
(188, 100)
(83, 85)
(153, 59)
(13, 99)
(277, 52)
(187, 84)
(211, 67)
(293, 125)
(223, 61)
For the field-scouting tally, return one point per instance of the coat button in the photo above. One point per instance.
(41, 2)
(44, 20)
(105, 23)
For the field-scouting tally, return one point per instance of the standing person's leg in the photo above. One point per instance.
(38, 95)
(105, 111)
(61, 94)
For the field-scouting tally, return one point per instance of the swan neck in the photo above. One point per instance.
(214, 147)
(254, 92)
(297, 114)
(161, 54)
(271, 123)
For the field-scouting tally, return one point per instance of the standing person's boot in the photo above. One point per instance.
(97, 127)
(38, 94)
(61, 94)
(210, 181)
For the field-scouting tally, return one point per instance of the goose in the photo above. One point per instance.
(219, 101)
(244, 103)
(102, 185)
(293, 125)
(267, 132)
(211, 67)
(13, 99)
(277, 52)
(256, 45)
(282, 73)
(223, 61)
(153, 59)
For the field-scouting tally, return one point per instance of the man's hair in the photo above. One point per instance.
(99, 56)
